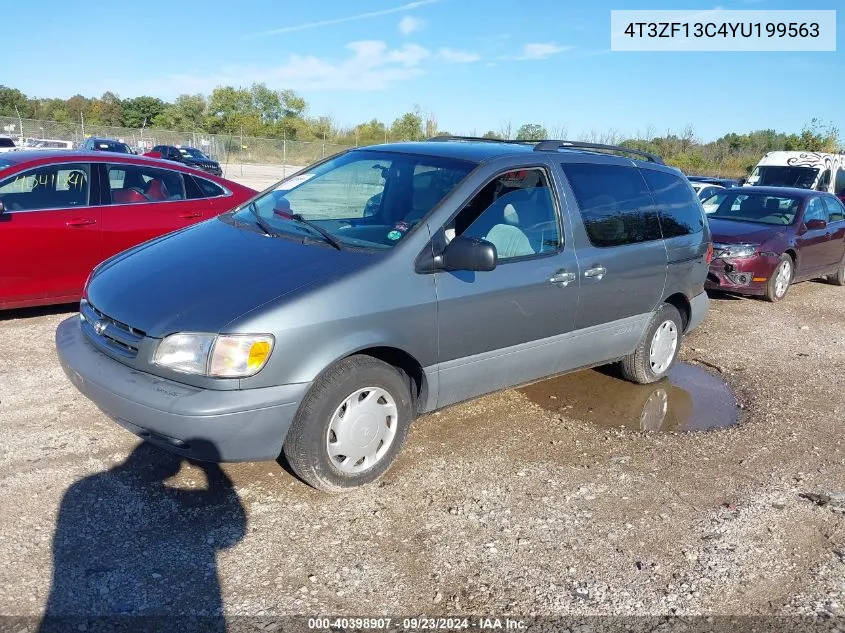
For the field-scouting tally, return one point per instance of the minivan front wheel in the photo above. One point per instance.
(658, 349)
(351, 425)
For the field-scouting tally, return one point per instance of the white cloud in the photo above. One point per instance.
(540, 50)
(409, 24)
(457, 57)
(372, 65)
(350, 18)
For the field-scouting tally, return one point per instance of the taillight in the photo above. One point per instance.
(710, 252)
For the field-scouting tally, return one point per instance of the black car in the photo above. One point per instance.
(722, 182)
(189, 156)
(96, 144)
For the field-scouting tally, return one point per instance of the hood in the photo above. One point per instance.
(732, 232)
(202, 277)
(190, 160)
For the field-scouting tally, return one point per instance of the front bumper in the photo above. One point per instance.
(202, 424)
(746, 275)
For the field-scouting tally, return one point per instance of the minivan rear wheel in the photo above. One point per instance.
(658, 349)
(351, 425)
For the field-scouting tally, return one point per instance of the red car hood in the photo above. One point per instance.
(733, 232)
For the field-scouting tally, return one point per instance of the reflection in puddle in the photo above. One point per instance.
(688, 399)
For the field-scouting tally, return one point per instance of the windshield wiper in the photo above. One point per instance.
(328, 237)
(268, 230)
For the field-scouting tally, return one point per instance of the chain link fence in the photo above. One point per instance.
(228, 149)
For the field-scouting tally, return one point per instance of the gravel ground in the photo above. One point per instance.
(495, 506)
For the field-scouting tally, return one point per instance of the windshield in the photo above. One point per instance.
(361, 198)
(754, 207)
(802, 177)
(190, 151)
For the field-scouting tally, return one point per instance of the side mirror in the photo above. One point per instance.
(469, 253)
(816, 225)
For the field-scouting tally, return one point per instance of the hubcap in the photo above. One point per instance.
(663, 346)
(362, 429)
(782, 280)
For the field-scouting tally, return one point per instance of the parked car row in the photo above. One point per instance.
(320, 317)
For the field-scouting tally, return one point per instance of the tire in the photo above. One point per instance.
(838, 278)
(774, 290)
(318, 424)
(638, 366)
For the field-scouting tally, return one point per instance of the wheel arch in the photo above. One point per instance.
(680, 301)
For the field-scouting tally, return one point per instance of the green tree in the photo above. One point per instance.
(531, 132)
(10, 98)
(141, 110)
(108, 109)
(187, 112)
(491, 134)
(408, 127)
(371, 132)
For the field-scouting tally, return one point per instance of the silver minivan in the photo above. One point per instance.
(325, 314)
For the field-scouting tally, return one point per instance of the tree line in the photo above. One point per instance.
(263, 112)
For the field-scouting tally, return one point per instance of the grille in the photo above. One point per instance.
(109, 333)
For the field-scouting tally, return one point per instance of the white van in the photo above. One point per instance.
(808, 170)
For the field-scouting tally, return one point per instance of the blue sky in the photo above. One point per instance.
(474, 63)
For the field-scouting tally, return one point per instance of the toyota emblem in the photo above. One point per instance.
(99, 327)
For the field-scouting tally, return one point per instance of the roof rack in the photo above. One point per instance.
(553, 146)
(450, 137)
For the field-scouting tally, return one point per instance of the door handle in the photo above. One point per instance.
(597, 272)
(190, 214)
(80, 222)
(563, 278)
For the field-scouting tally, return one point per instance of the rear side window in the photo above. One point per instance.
(835, 210)
(678, 209)
(616, 206)
(136, 184)
(210, 189)
(6, 142)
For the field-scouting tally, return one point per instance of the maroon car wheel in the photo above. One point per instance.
(781, 279)
(838, 278)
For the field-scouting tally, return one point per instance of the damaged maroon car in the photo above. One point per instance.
(767, 238)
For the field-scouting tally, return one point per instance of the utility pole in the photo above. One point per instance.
(82, 119)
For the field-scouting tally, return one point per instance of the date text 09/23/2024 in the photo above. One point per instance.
(421, 623)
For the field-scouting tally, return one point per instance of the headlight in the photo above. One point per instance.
(735, 251)
(219, 356)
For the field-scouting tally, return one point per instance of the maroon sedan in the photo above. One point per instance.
(766, 238)
(61, 213)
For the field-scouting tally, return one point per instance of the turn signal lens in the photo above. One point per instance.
(239, 356)
(710, 252)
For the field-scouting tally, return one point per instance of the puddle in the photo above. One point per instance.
(688, 399)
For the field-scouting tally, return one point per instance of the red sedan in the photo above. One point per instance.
(61, 213)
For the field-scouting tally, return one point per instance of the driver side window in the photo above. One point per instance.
(516, 212)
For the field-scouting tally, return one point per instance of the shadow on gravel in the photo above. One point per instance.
(133, 553)
(28, 313)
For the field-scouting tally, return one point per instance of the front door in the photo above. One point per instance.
(50, 234)
(507, 326)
